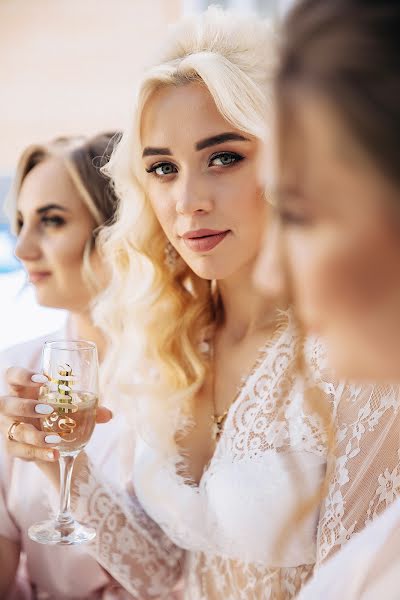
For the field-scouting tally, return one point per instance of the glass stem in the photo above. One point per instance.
(66, 463)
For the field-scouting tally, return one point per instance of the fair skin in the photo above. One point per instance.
(338, 237)
(50, 214)
(196, 181)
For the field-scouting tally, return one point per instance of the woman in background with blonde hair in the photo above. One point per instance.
(59, 202)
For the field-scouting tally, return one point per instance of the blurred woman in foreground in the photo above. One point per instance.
(336, 249)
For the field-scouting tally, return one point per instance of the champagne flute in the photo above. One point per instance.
(72, 390)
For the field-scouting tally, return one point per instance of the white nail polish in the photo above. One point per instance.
(39, 378)
(50, 455)
(43, 409)
(52, 439)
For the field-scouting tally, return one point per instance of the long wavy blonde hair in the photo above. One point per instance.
(156, 318)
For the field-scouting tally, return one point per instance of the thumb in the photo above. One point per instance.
(103, 415)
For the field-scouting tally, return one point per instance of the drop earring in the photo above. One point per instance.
(170, 256)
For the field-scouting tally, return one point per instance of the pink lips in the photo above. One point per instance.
(203, 240)
(37, 276)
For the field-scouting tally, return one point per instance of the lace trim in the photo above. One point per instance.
(216, 577)
(129, 545)
(364, 471)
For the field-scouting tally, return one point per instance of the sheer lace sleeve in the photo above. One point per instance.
(128, 545)
(363, 468)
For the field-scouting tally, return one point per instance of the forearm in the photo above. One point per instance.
(128, 545)
(9, 559)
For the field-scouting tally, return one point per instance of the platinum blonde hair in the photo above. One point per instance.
(156, 319)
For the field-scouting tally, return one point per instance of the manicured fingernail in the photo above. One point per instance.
(51, 455)
(39, 378)
(43, 409)
(52, 439)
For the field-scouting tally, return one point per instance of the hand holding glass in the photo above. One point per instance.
(71, 368)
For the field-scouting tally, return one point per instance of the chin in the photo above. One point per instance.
(50, 301)
(210, 273)
(210, 268)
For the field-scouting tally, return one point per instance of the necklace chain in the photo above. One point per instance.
(218, 421)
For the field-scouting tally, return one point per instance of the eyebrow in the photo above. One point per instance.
(152, 151)
(47, 207)
(206, 143)
(44, 209)
(220, 139)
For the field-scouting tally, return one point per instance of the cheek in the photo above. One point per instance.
(347, 288)
(308, 275)
(246, 206)
(165, 213)
(334, 280)
(66, 255)
(363, 274)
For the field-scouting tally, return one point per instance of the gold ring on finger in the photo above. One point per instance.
(11, 429)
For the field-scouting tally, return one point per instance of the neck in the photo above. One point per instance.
(80, 326)
(245, 310)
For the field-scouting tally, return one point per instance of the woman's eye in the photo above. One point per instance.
(162, 169)
(292, 218)
(53, 221)
(225, 159)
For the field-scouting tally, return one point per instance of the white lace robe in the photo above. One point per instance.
(367, 568)
(234, 535)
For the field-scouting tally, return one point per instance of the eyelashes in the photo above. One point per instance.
(157, 169)
(292, 218)
(226, 159)
(220, 160)
(53, 221)
(47, 221)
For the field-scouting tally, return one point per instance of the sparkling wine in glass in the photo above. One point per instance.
(72, 390)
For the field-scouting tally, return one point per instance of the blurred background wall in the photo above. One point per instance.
(68, 66)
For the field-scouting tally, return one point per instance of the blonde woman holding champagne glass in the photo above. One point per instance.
(59, 201)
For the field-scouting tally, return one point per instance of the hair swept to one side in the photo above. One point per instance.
(156, 319)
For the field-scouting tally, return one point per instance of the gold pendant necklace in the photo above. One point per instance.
(218, 421)
(218, 424)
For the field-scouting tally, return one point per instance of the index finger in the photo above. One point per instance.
(20, 381)
(24, 408)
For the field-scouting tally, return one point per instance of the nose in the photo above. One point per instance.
(270, 275)
(27, 247)
(193, 196)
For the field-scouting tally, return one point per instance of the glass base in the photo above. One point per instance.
(67, 534)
